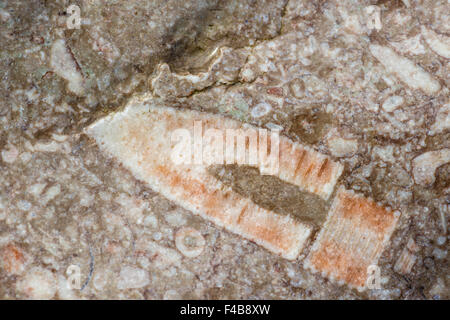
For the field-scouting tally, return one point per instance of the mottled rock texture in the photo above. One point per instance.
(364, 82)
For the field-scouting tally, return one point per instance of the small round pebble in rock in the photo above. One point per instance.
(189, 242)
(261, 110)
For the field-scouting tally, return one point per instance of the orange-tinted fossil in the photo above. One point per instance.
(352, 239)
(140, 138)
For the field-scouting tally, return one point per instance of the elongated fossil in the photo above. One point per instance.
(140, 138)
(352, 239)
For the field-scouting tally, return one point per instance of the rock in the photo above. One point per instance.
(355, 85)
(131, 277)
(385, 153)
(341, 147)
(13, 259)
(190, 242)
(64, 65)
(261, 109)
(38, 284)
(51, 193)
(439, 253)
(407, 71)
(411, 45)
(425, 165)
(171, 295)
(442, 121)
(175, 218)
(10, 154)
(407, 258)
(65, 292)
(161, 257)
(223, 69)
(438, 43)
(4, 15)
(392, 103)
(100, 280)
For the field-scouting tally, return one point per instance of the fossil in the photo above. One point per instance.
(140, 138)
(352, 239)
(407, 258)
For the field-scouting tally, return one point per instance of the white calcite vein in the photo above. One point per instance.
(407, 71)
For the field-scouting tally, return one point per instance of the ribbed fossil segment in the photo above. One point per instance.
(298, 164)
(352, 239)
(407, 258)
(140, 138)
(311, 170)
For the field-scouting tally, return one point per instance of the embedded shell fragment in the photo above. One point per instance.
(407, 258)
(189, 242)
(411, 74)
(65, 66)
(425, 165)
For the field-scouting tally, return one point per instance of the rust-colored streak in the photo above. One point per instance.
(241, 215)
(299, 162)
(323, 167)
(275, 91)
(308, 171)
(214, 203)
(12, 259)
(307, 168)
(235, 213)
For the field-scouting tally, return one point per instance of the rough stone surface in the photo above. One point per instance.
(364, 82)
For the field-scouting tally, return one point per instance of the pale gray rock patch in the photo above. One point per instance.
(131, 277)
(406, 70)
